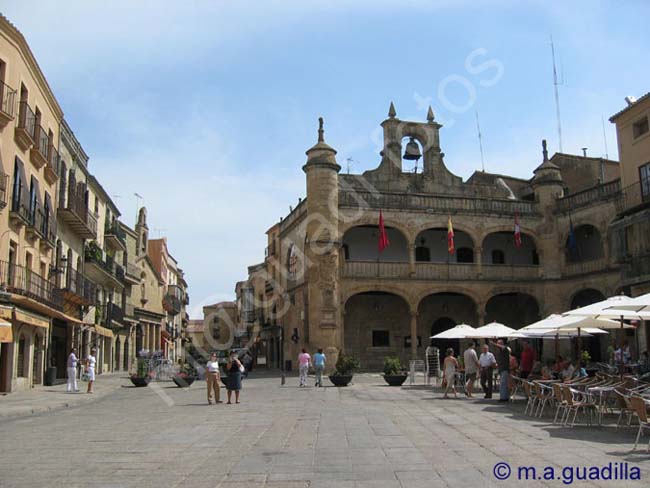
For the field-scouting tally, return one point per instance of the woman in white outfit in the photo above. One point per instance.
(72, 372)
(91, 361)
(449, 366)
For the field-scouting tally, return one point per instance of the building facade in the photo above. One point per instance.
(631, 229)
(328, 286)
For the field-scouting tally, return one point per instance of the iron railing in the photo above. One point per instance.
(77, 205)
(590, 196)
(26, 119)
(42, 140)
(7, 100)
(20, 206)
(4, 181)
(23, 281)
(115, 313)
(114, 229)
(633, 196)
(76, 283)
(94, 254)
(173, 299)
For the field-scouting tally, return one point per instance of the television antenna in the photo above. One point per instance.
(556, 83)
(480, 141)
(602, 121)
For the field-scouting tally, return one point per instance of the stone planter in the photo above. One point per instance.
(340, 380)
(183, 382)
(140, 381)
(395, 379)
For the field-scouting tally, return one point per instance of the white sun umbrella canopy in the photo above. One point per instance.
(461, 331)
(553, 333)
(638, 304)
(610, 309)
(493, 330)
(572, 322)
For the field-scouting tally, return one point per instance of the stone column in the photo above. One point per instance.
(478, 259)
(412, 259)
(414, 334)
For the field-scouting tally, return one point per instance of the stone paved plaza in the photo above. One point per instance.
(366, 435)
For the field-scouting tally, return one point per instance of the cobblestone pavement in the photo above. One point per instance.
(366, 435)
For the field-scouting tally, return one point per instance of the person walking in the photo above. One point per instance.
(235, 368)
(319, 366)
(71, 386)
(213, 378)
(527, 360)
(304, 361)
(503, 363)
(450, 365)
(487, 362)
(91, 361)
(471, 368)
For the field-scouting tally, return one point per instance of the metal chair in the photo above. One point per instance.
(640, 406)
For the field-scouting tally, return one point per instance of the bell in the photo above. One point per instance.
(412, 152)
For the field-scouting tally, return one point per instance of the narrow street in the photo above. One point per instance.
(366, 435)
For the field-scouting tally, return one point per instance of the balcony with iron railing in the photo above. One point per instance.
(38, 154)
(101, 268)
(173, 299)
(78, 290)
(458, 204)
(634, 197)
(20, 211)
(76, 215)
(115, 315)
(52, 167)
(23, 281)
(114, 236)
(24, 134)
(589, 197)
(4, 181)
(7, 104)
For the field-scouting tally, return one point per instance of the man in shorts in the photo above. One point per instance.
(471, 368)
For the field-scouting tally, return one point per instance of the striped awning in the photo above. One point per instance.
(103, 331)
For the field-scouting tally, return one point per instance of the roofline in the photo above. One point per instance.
(30, 60)
(629, 107)
(93, 181)
(523, 180)
(585, 157)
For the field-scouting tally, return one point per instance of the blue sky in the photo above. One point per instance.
(206, 108)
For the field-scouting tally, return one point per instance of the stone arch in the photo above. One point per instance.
(373, 220)
(589, 243)
(362, 243)
(528, 254)
(384, 287)
(515, 309)
(447, 288)
(441, 223)
(376, 324)
(584, 297)
(433, 240)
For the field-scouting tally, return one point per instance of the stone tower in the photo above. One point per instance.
(322, 244)
(142, 231)
(548, 187)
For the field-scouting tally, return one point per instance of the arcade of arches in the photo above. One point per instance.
(378, 324)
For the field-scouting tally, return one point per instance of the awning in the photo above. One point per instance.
(31, 319)
(103, 331)
(6, 332)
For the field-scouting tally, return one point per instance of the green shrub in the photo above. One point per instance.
(346, 365)
(393, 366)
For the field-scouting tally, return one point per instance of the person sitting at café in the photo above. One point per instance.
(559, 365)
(536, 371)
(568, 371)
(547, 371)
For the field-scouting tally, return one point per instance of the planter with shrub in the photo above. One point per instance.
(344, 370)
(394, 372)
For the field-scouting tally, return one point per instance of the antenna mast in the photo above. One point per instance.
(557, 97)
(480, 141)
(602, 121)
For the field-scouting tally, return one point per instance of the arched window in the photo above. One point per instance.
(465, 255)
(20, 363)
(422, 254)
(498, 257)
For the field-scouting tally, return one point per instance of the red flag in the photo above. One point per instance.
(517, 231)
(383, 237)
(450, 237)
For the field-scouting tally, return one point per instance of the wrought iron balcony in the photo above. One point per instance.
(633, 198)
(77, 289)
(23, 281)
(24, 134)
(76, 215)
(7, 104)
(173, 299)
(114, 236)
(115, 315)
(52, 167)
(38, 153)
(20, 210)
(102, 270)
(4, 179)
(590, 196)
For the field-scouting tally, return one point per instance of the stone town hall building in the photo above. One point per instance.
(326, 285)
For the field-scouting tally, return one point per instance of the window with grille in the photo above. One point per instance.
(640, 127)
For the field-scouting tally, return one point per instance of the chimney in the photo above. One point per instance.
(584, 152)
(630, 100)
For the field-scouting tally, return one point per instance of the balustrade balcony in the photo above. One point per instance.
(585, 267)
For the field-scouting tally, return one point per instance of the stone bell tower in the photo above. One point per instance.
(322, 245)
(427, 134)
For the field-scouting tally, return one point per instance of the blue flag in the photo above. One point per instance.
(572, 243)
